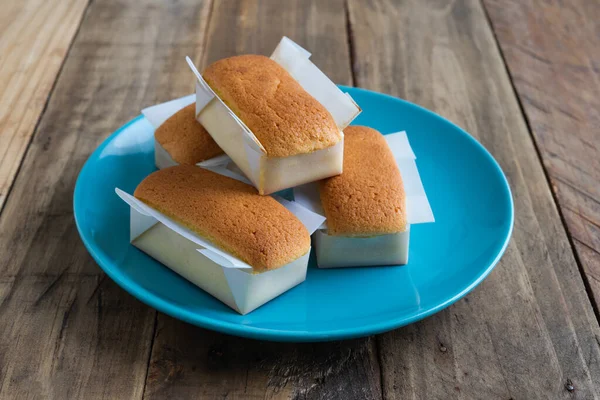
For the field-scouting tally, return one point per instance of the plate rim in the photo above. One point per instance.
(159, 304)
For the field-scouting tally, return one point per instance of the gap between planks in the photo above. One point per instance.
(9, 171)
(351, 56)
(586, 282)
(154, 328)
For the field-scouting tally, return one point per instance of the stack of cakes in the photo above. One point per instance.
(256, 126)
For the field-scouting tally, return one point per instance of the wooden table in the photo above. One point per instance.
(523, 76)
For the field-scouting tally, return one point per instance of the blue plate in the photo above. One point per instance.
(469, 195)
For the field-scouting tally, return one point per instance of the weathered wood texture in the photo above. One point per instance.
(238, 27)
(66, 331)
(193, 363)
(552, 50)
(34, 38)
(530, 326)
(188, 362)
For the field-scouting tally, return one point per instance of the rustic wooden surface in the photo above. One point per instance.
(67, 331)
(34, 38)
(553, 50)
(529, 331)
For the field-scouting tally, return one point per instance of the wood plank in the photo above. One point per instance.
(67, 331)
(35, 36)
(188, 362)
(253, 27)
(551, 50)
(529, 328)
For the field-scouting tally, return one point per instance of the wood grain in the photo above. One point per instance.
(239, 27)
(529, 328)
(34, 39)
(188, 362)
(67, 331)
(552, 52)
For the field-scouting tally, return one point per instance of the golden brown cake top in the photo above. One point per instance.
(185, 139)
(367, 199)
(231, 214)
(283, 116)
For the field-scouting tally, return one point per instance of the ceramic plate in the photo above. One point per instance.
(468, 192)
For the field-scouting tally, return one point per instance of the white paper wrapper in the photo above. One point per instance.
(159, 113)
(340, 251)
(271, 174)
(227, 278)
